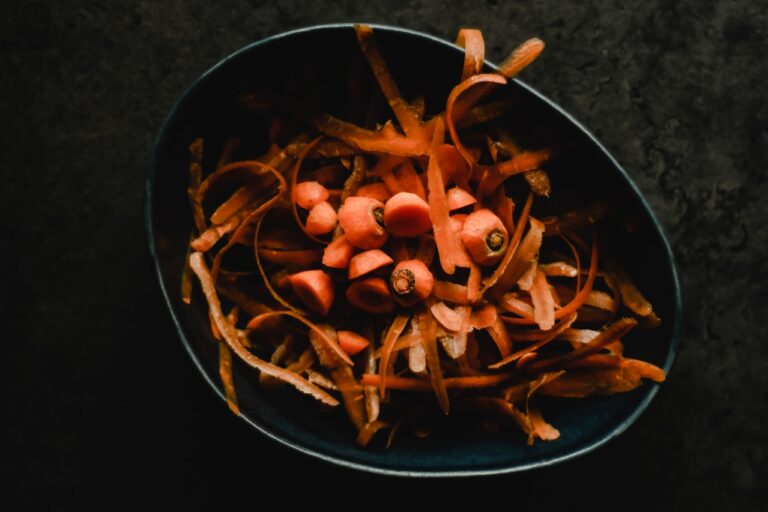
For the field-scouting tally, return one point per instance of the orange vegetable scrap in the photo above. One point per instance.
(401, 264)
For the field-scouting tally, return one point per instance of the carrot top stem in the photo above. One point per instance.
(403, 281)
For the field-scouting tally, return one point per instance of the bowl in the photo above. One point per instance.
(314, 60)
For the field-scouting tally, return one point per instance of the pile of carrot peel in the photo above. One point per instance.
(386, 269)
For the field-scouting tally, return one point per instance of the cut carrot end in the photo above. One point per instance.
(322, 219)
(484, 236)
(411, 282)
(351, 342)
(368, 261)
(370, 294)
(315, 289)
(361, 218)
(310, 193)
(407, 215)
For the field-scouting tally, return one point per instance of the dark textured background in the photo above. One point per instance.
(101, 404)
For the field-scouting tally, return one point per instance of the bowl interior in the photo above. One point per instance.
(313, 63)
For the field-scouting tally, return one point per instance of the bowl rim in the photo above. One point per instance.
(652, 388)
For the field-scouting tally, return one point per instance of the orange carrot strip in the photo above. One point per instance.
(575, 219)
(351, 342)
(612, 332)
(405, 116)
(453, 166)
(372, 397)
(369, 430)
(451, 292)
(355, 178)
(447, 317)
(403, 178)
(197, 262)
(368, 261)
(548, 336)
(370, 294)
(473, 283)
(510, 303)
(484, 317)
(524, 255)
(407, 215)
(484, 113)
(438, 207)
(427, 327)
(500, 336)
(512, 246)
(395, 329)
(225, 372)
(236, 202)
(265, 279)
(630, 294)
(408, 384)
(453, 96)
(543, 302)
(644, 369)
(302, 257)
(558, 269)
(541, 428)
(471, 39)
(522, 162)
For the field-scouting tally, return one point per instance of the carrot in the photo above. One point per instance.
(407, 215)
(428, 339)
(411, 282)
(228, 331)
(370, 294)
(483, 317)
(459, 198)
(302, 257)
(471, 40)
(453, 96)
(315, 289)
(484, 236)
(355, 178)
(351, 342)
(510, 303)
(461, 257)
(446, 316)
(543, 303)
(498, 332)
(404, 178)
(338, 253)
(394, 331)
(368, 261)
(405, 116)
(438, 207)
(511, 247)
(450, 292)
(453, 166)
(546, 337)
(362, 220)
(225, 372)
(322, 219)
(406, 384)
(377, 191)
(575, 219)
(525, 253)
(630, 294)
(310, 193)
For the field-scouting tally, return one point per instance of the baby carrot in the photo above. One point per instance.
(315, 289)
(459, 198)
(338, 253)
(407, 215)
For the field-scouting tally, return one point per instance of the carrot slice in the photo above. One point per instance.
(322, 219)
(228, 331)
(471, 39)
(338, 253)
(450, 292)
(407, 215)
(459, 198)
(351, 342)
(315, 289)
(411, 282)
(484, 236)
(370, 294)
(511, 247)
(310, 193)
(368, 261)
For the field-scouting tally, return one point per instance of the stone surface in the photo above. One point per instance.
(100, 400)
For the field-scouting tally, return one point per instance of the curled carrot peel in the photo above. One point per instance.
(405, 252)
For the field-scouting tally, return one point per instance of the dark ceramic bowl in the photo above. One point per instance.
(316, 59)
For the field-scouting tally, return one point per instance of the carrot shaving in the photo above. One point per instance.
(471, 40)
(429, 341)
(409, 384)
(546, 338)
(447, 317)
(370, 430)
(522, 258)
(228, 331)
(543, 302)
(393, 333)
(195, 178)
(511, 247)
(453, 96)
